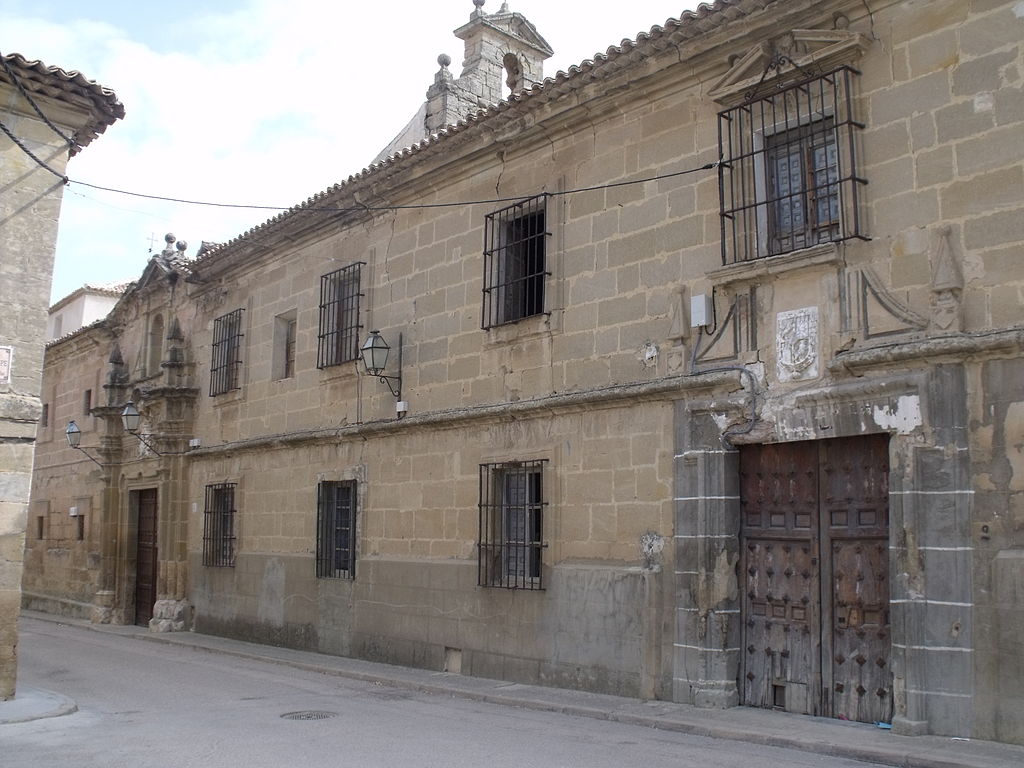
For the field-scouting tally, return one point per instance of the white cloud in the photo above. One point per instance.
(267, 104)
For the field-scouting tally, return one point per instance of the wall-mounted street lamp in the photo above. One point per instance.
(375, 359)
(74, 435)
(130, 419)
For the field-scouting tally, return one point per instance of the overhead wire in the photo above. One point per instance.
(363, 207)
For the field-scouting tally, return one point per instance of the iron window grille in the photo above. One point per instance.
(227, 350)
(336, 530)
(515, 262)
(788, 177)
(219, 525)
(511, 525)
(338, 341)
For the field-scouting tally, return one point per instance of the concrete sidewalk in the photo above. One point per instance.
(810, 734)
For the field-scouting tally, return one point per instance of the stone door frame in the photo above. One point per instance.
(930, 552)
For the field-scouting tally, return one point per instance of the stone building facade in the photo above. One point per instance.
(33, 155)
(709, 356)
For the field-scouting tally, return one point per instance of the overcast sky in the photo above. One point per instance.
(262, 102)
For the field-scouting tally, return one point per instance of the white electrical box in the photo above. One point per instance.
(701, 310)
(73, 511)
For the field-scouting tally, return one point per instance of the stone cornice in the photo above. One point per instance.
(935, 348)
(666, 389)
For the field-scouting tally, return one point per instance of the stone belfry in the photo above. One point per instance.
(504, 54)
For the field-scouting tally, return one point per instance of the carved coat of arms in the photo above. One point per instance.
(796, 339)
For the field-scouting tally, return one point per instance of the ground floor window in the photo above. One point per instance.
(335, 530)
(219, 525)
(511, 525)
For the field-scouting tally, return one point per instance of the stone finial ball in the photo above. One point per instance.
(444, 59)
(479, 3)
(181, 245)
(169, 238)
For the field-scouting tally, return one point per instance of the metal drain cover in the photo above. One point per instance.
(309, 714)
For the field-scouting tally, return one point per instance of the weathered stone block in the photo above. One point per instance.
(982, 194)
(963, 120)
(986, 33)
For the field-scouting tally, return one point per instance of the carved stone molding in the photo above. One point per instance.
(736, 334)
(869, 310)
(947, 286)
(808, 49)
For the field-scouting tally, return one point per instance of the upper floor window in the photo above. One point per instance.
(511, 525)
(226, 362)
(339, 316)
(283, 359)
(336, 530)
(219, 525)
(515, 262)
(788, 177)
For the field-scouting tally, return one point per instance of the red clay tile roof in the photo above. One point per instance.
(70, 87)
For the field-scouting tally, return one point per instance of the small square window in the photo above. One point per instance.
(336, 530)
(338, 341)
(226, 363)
(515, 262)
(511, 525)
(219, 525)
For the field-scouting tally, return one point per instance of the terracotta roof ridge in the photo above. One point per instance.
(73, 76)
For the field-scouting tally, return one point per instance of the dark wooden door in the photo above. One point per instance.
(145, 503)
(815, 566)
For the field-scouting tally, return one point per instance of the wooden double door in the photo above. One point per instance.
(814, 559)
(143, 505)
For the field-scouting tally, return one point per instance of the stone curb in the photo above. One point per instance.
(60, 705)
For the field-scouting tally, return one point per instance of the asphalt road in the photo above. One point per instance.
(148, 704)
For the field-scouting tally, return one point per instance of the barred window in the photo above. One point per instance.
(788, 178)
(227, 350)
(511, 525)
(515, 268)
(219, 525)
(339, 316)
(335, 530)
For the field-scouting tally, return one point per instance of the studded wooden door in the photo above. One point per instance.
(145, 504)
(815, 566)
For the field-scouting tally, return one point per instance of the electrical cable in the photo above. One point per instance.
(420, 206)
(753, 419)
(298, 208)
(17, 84)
